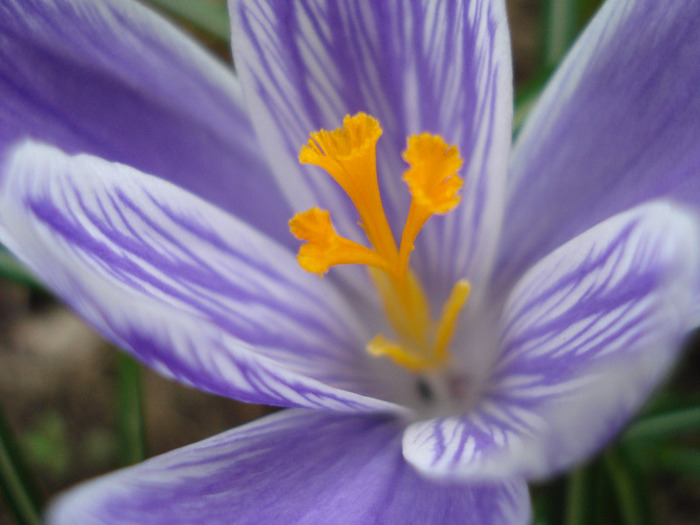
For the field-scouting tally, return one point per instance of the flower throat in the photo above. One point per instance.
(419, 343)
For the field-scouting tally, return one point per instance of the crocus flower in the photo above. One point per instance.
(524, 319)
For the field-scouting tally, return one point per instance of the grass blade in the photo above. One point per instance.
(130, 412)
(583, 495)
(16, 483)
(12, 270)
(561, 24)
(664, 425)
(208, 16)
(630, 489)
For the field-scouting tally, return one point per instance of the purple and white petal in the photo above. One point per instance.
(186, 287)
(442, 67)
(617, 125)
(113, 79)
(297, 467)
(586, 334)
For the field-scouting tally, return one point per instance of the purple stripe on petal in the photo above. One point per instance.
(585, 335)
(186, 287)
(442, 67)
(112, 79)
(295, 467)
(617, 125)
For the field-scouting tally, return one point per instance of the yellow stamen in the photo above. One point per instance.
(380, 346)
(325, 248)
(405, 304)
(432, 177)
(433, 182)
(349, 156)
(420, 358)
(448, 320)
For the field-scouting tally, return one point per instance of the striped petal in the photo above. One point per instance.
(586, 334)
(442, 67)
(187, 288)
(294, 467)
(617, 125)
(112, 79)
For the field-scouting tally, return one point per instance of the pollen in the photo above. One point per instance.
(348, 155)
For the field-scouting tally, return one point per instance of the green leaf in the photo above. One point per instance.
(563, 20)
(668, 400)
(629, 487)
(211, 17)
(548, 502)
(561, 25)
(664, 425)
(13, 270)
(587, 9)
(678, 460)
(526, 98)
(668, 459)
(130, 413)
(16, 482)
(586, 494)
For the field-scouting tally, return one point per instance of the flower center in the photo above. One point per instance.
(418, 342)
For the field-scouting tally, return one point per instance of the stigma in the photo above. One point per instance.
(418, 342)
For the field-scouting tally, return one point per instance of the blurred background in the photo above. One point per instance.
(72, 407)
